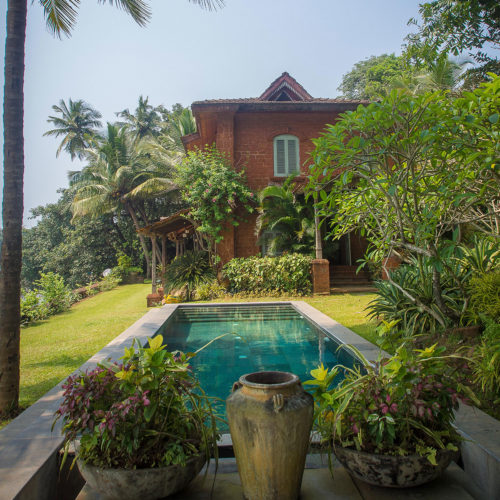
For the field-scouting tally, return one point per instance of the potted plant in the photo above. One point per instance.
(145, 427)
(390, 423)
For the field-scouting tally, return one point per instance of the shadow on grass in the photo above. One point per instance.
(70, 362)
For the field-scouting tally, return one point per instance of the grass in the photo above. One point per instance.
(52, 349)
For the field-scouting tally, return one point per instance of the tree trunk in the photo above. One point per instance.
(317, 230)
(141, 239)
(145, 218)
(11, 259)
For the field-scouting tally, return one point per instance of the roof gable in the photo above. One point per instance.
(285, 88)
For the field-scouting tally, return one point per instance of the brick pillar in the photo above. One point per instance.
(321, 276)
(391, 262)
(225, 132)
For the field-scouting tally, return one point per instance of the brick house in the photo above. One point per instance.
(270, 136)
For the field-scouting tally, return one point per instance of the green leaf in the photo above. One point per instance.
(149, 411)
(156, 342)
(493, 118)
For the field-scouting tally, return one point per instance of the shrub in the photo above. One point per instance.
(109, 282)
(486, 363)
(54, 292)
(210, 291)
(33, 307)
(392, 304)
(189, 270)
(124, 268)
(485, 295)
(289, 273)
(147, 411)
(397, 406)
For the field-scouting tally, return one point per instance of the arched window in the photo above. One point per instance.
(286, 155)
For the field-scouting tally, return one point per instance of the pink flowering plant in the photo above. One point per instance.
(146, 411)
(403, 405)
(215, 191)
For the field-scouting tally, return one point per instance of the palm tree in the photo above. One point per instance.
(78, 123)
(60, 18)
(119, 177)
(144, 122)
(288, 221)
(443, 74)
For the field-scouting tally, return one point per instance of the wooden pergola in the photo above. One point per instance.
(176, 228)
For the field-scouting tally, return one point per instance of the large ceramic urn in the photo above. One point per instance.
(270, 418)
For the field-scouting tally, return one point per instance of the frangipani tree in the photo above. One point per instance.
(408, 172)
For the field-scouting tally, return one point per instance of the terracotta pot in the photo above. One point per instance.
(393, 471)
(143, 484)
(270, 418)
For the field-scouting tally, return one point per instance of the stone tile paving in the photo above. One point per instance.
(317, 484)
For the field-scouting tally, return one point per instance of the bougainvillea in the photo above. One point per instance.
(214, 191)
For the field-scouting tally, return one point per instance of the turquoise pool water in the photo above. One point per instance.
(263, 337)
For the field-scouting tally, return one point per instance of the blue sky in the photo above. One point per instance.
(187, 54)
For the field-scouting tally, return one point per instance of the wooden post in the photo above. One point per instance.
(153, 266)
(163, 260)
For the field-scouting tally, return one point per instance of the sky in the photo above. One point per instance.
(187, 54)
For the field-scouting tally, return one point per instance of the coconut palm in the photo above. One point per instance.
(288, 220)
(144, 122)
(119, 177)
(60, 18)
(443, 74)
(78, 124)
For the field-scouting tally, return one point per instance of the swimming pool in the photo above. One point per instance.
(259, 337)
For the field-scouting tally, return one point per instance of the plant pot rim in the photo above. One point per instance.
(269, 380)
(192, 458)
(388, 455)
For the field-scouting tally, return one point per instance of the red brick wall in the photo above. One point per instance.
(254, 134)
(247, 137)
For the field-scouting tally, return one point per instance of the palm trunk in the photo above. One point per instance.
(11, 259)
(141, 239)
(142, 212)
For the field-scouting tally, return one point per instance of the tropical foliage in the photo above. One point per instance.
(78, 124)
(213, 189)
(457, 27)
(49, 296)
(289, 273)
(408, 173)
(189, 270)
(403, 405)
(147, 411)
(289, 218)
(375, 77)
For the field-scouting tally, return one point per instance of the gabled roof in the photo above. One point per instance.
(284, 93)
(285, 88)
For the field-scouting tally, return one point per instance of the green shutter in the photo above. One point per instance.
(286, 155)
(292, 156)
(280, 157)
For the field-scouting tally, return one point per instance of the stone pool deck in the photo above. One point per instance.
(29, 450)
(318, 484)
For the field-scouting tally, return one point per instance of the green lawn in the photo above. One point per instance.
(52, 349)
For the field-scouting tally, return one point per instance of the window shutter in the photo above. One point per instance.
(292, 156)
(280, 157)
